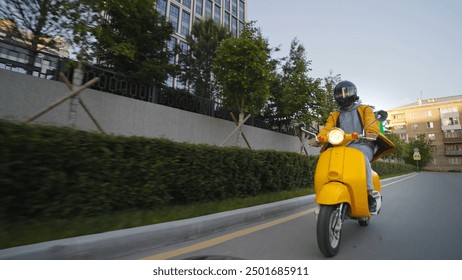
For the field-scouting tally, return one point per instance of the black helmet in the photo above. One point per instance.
(345, 93)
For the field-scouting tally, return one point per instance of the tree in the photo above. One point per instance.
(273, 109)
(83, 17)
(133, 41)
(243, 70)
(300, 95)
(401, 148)
(326, 100)
(197, 61)
(38, 24)
(424, 149)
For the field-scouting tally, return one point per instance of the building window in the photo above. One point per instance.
(234, 26)
(174, 16)
(199, 5)
(185, 19)
(431, 136)
(403, 136)
(428, 113)
(433, 148)
(455, 160)
(161, 7)
(415, 126)
(234, 8)
(429, 124)
(454, 147)
(217, 14)
(398, 116)
(171, 46)
(183, 46)
(450, 121)
(228, 5)
(187, 3)
(453, 134)
(449, 110)
(412, 115)
(241, 10)
(169, 81)
(227, 20)
(208, 8)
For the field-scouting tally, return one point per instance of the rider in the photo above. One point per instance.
(352, 116)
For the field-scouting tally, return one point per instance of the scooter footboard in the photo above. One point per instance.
(333, 193)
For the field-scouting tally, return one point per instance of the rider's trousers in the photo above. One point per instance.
(368, 152)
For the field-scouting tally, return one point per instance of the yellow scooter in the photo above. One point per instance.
(340, 187)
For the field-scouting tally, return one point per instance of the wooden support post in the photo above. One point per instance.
(302, 147)
(243, 135)
(58, 102)
(235, 130)
(69, 85)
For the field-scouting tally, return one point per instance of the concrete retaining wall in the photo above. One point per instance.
(22, 96)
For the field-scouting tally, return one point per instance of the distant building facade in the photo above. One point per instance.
(183, 14)
(14, 53)
(439, 120)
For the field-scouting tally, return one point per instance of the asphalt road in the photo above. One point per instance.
(420, 220)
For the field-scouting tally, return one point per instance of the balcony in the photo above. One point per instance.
(454, 136)
(453, 153)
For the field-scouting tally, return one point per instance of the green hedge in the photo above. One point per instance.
(46, 171)
(387, 168)
(55, 172)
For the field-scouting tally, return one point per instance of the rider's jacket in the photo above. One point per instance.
(383, 145)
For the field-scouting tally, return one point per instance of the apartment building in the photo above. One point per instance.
(439, 120)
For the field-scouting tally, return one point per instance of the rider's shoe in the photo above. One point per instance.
(372, 203)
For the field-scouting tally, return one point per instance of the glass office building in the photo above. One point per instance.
(183, 13)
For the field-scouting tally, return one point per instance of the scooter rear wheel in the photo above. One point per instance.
(329, 229)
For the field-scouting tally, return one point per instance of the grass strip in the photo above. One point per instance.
(25, 232)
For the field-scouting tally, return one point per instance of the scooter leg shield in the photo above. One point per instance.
(333, 193)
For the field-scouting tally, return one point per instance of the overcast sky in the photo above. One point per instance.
(395, 51)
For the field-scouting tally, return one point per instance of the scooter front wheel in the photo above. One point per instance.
(329, 229)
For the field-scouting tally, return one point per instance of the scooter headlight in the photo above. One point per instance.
(336, 136)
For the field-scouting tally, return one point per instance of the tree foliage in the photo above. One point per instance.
(401, 148)
(133, 40)
(243, 70)
(83, 18)
(405, 150)
(197, 61)
(326, 99)
(300, 93)
(424, 149)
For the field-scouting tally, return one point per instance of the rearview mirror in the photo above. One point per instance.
(381, 115)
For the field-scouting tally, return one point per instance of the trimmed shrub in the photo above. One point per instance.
(56, 172)
(48, 171)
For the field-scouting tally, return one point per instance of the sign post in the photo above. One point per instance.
(417, 157)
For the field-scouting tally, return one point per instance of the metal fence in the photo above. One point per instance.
(14, 57)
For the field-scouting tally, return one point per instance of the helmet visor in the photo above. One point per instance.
(344, 92)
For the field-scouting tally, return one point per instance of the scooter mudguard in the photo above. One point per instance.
(333, 193)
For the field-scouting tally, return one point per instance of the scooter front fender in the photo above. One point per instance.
(333, 193)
